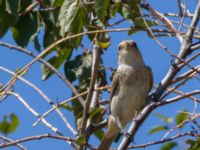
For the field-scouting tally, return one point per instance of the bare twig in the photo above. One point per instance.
(10, 141)
(165, 140)
(66, 101)
(65, 80)
(49, 48)
(37, 137)
(45, 97)
(54, 129)
(29, 8)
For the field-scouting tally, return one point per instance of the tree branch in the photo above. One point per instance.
(185, 48)
(95, 66)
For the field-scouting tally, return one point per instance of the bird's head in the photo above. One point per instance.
(128, 52)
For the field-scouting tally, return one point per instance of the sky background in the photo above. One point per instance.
(154, 56)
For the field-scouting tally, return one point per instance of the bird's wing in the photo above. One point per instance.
(114, 86)
(150, 77)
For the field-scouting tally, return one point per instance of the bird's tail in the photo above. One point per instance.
(109, 136)
(106, 142)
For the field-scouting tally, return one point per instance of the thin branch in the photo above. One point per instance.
(49, 48)
(54, 129)
(180, 8)
(165, 81)
(47, 64)
(191, 119)
(38, 137)
(66, 101)
(10, 141)
(174, 99)
(29, 8)
(94, 73)
(165, 140)
(45, 97)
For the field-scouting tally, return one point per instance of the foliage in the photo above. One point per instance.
(9, 123)
(52, 20)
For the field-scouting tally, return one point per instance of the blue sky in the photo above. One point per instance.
(154, 56)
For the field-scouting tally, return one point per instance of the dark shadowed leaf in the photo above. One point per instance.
(8, 16)
(81, 140)
(56, 61)
(71, 67)
(101, 7)
(3, 29)
(130, 10)
(25, 28)
(194, 144)
(168, 146)
(37, 44)
(181, 117)
(13, 7)
(158, 129)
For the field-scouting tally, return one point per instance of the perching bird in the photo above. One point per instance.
(131, 84)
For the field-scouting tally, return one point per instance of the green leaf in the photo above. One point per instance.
(130, 10)
(9, 126)
(14, 122)
(158, 129)
(67, 107)
(194, 144)
(37, 44)
(71, 68)
(168, 146)
(7, 17)
(56, 61)
(58, 3)
(115, 8)
(164, 118)
(94, 113)
(68, 13)
(139, 22)
(12, 7)
(25, 28)
(3, 29)
(71, 19)
(24, 4)
(101, 7)
(81, 140)
(99, 134)
(181, 117)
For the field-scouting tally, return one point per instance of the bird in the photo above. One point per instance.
(131, 84)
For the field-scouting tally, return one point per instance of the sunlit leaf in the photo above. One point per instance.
(164, 118)
(58, 3)
(9, 123)
(168, 146)
(158, 129)
(101, 7)
(181, 117)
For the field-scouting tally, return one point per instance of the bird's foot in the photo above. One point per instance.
(128, 135)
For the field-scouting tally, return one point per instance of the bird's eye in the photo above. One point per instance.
(120, 47)
(134, 44)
